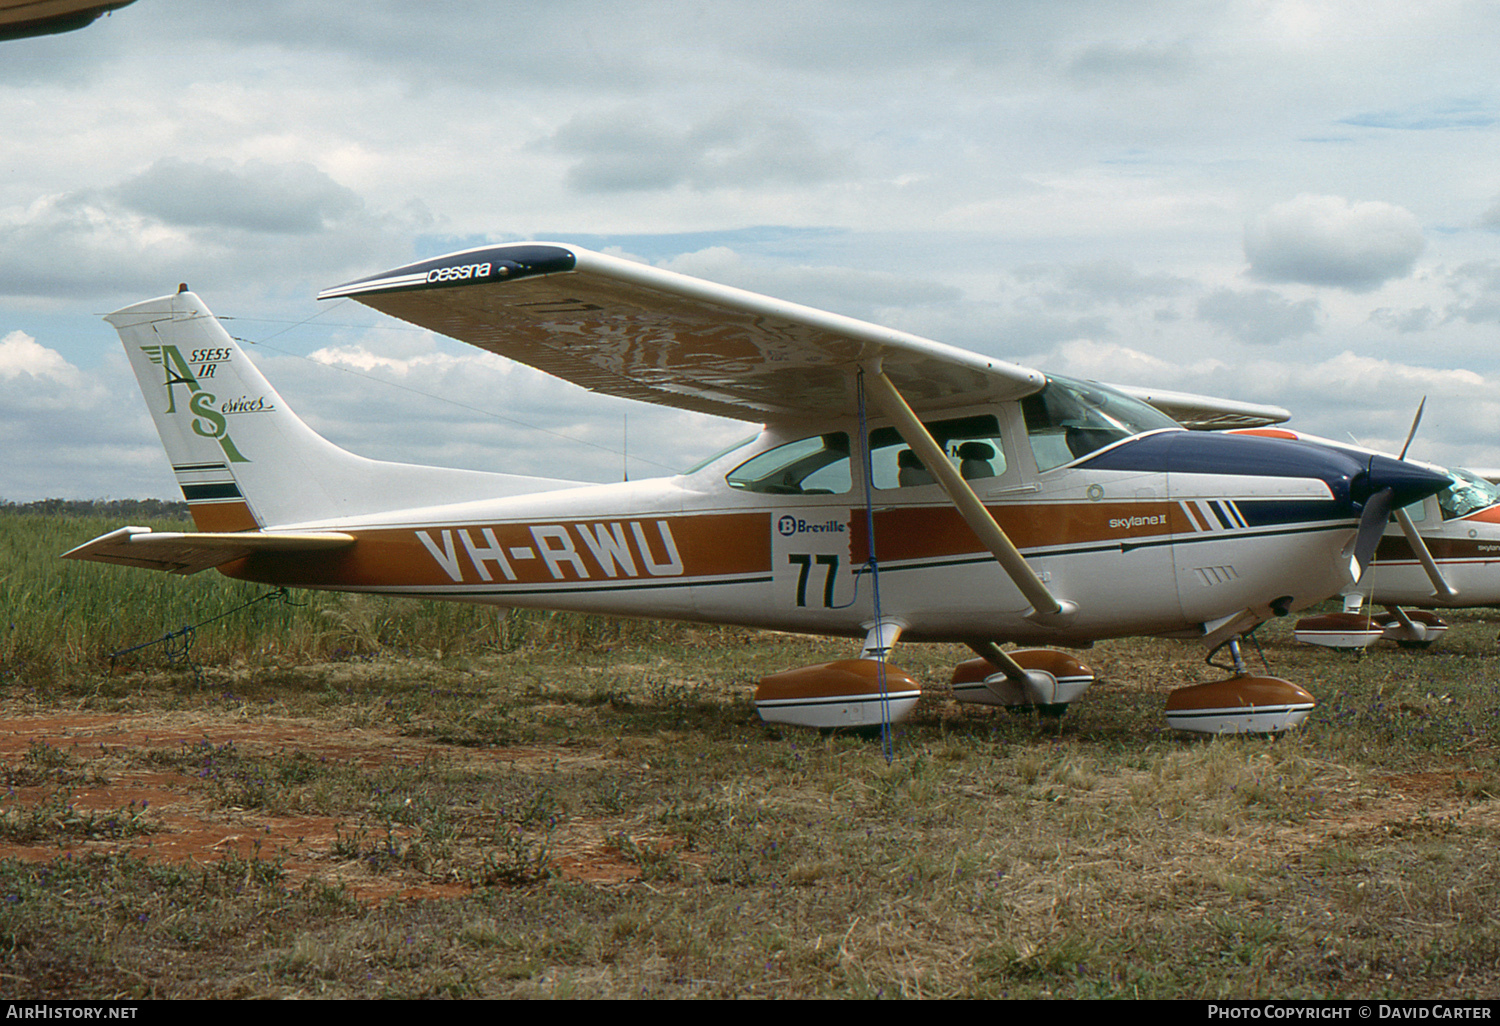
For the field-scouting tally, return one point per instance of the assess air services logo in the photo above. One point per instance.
(210, 417)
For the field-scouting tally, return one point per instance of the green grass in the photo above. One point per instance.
(998, 855)
(60, 619)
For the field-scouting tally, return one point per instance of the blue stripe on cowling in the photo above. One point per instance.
(1202, 452)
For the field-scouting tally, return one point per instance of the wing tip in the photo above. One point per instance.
(483, 265)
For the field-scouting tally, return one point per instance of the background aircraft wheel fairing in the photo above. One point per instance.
(1413, 628)
(1343, 631)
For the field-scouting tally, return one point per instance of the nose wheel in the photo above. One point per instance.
(1242, 704)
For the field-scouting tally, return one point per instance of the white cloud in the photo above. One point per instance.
(20, 354)
(1476, 291)
(295, 199)
(1261, 317)
(996, 176)
(1326, 240)
(56, 440)
(628, 150)
(224, 223)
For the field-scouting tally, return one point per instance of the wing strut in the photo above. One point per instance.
(1440, 586)
(1045, 608)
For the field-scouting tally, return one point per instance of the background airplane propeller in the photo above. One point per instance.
(1378, 512)
(1414, 422)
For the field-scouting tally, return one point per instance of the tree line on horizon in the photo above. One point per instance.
(163, 509)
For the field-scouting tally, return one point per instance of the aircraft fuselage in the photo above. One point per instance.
(1138, 546)
(1466, 550)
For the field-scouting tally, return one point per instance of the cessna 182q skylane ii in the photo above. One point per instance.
(1003, 505)
(1441, 552)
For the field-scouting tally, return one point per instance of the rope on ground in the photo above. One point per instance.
(179, 643)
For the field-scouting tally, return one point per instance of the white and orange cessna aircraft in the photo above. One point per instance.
(1441, 552)
(900, 488)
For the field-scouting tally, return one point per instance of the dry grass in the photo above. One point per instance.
(617, 823)
(572, 807)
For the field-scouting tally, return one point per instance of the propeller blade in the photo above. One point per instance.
(1372, 521)
(1413, 432)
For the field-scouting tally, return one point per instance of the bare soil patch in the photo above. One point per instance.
(188, 826)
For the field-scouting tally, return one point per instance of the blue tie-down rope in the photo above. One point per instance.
(179, 643)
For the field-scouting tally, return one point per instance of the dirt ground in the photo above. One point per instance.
(192, 828)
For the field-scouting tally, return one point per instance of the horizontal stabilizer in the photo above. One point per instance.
(178, 553)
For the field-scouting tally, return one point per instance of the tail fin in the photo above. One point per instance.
(243, 459)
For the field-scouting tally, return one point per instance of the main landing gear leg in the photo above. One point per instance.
(1039, 678)
(1237, 656)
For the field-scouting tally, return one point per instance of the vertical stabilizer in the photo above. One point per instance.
(242, 458)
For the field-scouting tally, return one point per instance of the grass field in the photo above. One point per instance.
(352, 797)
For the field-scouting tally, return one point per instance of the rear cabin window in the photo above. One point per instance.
(972, 445)
(818, 465)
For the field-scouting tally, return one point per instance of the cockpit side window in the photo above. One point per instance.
(972, 444)
(818, 465)
(1417, 511)
(1069, 419)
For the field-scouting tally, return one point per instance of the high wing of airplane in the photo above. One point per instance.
(1440, 552)
(22, 18)
(1206, 413)
(899, 489)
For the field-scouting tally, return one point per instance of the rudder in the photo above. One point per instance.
(243, 459)
(184, 360)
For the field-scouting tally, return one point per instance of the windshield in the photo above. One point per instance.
(1469, 493)
(1069, 419)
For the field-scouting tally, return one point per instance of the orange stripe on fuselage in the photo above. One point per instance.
(219, 517)
(641, 549)
(668, 548)
(1267, 432)
(930, 532)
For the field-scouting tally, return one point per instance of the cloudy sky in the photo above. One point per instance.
(1286, 202)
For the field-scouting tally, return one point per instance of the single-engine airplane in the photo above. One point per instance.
(899, 488)
(1440, 552)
